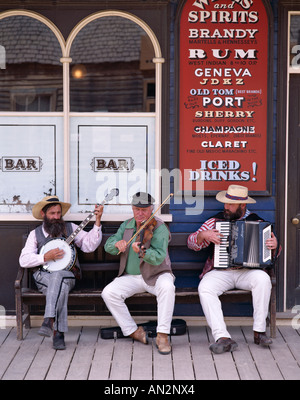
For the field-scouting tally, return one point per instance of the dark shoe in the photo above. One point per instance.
(222, 345)
(162, 343)
(262, 338)
(47, 327)
(59, 341)
(140, 335)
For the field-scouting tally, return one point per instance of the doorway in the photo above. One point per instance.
(293, 199)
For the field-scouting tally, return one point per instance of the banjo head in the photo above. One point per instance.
(68, 259)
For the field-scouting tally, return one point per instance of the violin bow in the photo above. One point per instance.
(148, 220)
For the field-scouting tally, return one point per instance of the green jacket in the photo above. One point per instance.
(156, 260)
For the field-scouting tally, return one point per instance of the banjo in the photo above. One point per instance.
(68, 262)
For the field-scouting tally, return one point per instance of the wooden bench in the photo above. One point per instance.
(26, 295)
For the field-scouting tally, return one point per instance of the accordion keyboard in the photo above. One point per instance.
(221, 254)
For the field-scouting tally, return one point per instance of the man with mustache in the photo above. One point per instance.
(214, 282)
(57, 284)
(148, 270)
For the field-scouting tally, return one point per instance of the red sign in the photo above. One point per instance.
(223, 93)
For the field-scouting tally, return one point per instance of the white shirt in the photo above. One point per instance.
(86, 241)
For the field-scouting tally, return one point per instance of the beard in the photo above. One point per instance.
(230, 216)
(54, 227)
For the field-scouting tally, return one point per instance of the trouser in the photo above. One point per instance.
(115, 293)
(56, 287)
(216, 282)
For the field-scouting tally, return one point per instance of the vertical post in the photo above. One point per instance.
(158, 61)
(66, 103)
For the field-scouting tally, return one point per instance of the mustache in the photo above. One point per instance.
(230, 216)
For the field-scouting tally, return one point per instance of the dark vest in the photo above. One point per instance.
(42, 239)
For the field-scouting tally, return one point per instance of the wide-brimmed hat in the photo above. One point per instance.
(37, 208)
(235, 194)
(142, 200)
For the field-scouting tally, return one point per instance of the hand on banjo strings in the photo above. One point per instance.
(54, 254)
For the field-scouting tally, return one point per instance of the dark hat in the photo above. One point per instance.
(142, 200)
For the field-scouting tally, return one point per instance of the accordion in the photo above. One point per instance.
(243, 244)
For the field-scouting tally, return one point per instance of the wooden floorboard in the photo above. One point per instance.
(89, 357)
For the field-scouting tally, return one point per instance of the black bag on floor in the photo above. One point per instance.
(178, 327)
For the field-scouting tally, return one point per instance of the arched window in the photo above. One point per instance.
(115, 65)
(112, 68)
(31, 74)
(31, 105)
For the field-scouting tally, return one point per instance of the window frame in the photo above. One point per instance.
(65, 59)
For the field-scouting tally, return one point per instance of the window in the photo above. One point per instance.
(112, 76)
(32, 55)
(111, 63)
(105, 74)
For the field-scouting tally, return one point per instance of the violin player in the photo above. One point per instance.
(144, 267)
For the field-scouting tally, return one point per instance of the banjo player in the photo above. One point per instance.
(56, 284)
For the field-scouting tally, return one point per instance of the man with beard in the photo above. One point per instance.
(56, 285)
(214, 282)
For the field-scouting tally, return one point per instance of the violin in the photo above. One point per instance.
(145, 235)
(148, 220)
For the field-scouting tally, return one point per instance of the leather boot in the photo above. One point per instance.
(140, 335)
(262, 338)
(47, 327)
(162, 343)
(222, 345)
(59, 340)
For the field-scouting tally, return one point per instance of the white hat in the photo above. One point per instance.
(235, 194)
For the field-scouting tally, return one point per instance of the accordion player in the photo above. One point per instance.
(243, 244)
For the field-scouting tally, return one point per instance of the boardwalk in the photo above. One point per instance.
(88, 357)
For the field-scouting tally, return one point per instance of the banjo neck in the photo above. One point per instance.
(70, 239)
(114, 192)
(70, 255)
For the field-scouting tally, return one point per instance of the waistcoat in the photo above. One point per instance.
(149, 272)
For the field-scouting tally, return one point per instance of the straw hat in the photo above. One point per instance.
(235, 194)
(37, 208)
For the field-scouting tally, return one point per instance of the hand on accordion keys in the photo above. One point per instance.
(212, 235)
(271, 243)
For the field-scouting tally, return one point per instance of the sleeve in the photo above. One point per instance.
(88, 241)
(157, 251)
(109, 246)
(192, 239)
(29, 257)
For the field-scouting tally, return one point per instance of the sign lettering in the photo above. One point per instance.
(21, 164)
(223, 93)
